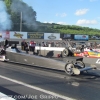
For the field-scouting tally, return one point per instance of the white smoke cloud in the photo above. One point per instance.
(5, 21)
(28, 14)
(81, 12)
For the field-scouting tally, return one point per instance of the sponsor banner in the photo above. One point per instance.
(81, 37)
(52, 36)
(4, 35)
(18, 35)
(67, 36)
(35, 35)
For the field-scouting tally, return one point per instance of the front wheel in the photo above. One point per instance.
(69, 69)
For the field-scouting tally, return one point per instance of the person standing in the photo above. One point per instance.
(26, 47)
(22, 44)
(32, 46)
(6, 43)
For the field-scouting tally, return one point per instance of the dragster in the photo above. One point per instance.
(71, 65)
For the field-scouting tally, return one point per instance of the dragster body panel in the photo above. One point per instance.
(35, 60)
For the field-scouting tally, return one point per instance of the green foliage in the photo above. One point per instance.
(8, 4)
(68, 29)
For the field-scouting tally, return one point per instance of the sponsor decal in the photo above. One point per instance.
(84, 36)
(25, 60)
(18, 35)
(80, 54)
(98, 61)
(52, 36)
(95, 54)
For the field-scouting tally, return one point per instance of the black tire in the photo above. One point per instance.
(80, 64)
(69, 69)
(65, 53)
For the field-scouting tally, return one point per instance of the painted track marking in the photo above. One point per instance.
(37, 88)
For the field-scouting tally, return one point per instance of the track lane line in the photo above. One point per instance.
(37, 88)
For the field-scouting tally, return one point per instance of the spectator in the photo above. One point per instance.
(32, 46)
(26, 47)
(22, 45)
(6, 43)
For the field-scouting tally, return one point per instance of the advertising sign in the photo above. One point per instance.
(18, 35)
(67, 36)
(81, 37)
(4, 35)
(35, 35)
(51, 36)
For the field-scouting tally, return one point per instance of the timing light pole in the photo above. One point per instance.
(20, 21)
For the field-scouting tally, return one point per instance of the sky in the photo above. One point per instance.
(85, 13)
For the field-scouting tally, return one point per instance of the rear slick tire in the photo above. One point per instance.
(65, 53)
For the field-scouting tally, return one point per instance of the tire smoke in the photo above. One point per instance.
(5, 18)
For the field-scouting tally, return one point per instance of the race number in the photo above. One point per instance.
(98, 61)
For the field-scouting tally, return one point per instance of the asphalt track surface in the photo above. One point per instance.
(46, 82)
